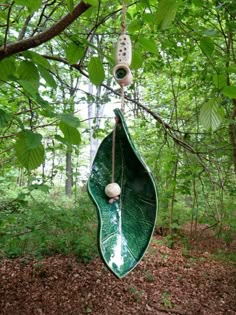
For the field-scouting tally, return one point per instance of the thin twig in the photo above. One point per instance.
(7, 27)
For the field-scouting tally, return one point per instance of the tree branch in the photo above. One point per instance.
(8, 26)
(45, 36)
(24, 28)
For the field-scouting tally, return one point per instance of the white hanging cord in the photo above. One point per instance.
(122, 92)
(123, 22)
(113, 153)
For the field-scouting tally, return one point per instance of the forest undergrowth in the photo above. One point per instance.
(50, 264)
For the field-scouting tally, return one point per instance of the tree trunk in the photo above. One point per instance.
(91, 115)
(53, 163)
(173, 198)
(232, 135)
(69, 175)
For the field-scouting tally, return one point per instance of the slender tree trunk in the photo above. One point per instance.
(43, 172)
(53, 163)
(232, 134)
(173, 198)
(194, 219)
(20, 177)
(91, 115)
(69, 173)
(195, 205)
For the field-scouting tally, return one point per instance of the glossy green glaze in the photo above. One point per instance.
(126, 226)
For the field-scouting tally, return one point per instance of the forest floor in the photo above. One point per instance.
(181, 280)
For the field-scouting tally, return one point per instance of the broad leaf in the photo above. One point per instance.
(62, 140)
(7, 69)
(96, 71)
(126, 225)
(166, 13)
(219, 80)
(71, 134)
(134, 26)
(70, 4)
(28, 72)
(149, 18)
(28, 77)
(74, 53)
(47, 76)
(5, 118)
(211, 115)
(29, 149)
(231, 69)
(148, 44)
(137, 60)
(94, 3)
(229, 91)
(36, 58)
(69, 119)
(32, 5)
(207, 46)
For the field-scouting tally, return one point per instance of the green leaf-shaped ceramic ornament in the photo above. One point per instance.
(125, 226)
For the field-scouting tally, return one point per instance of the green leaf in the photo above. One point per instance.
(32, 5)
(207, 46)
(134, 26)
(36, 58)
(126, 226)
(69, 119)
(71, 134)
(231, 69)
(74, 53)
(211, 115)
(29, 149)
(96, 71)
(149, 18)
(166, 13)
(7, 69)
(28, 77)
(137, 60)
(47, 77)
(41, 187)
(70, 4)
(94, 3)
(148, 44)
(61, 139)
(5, 118)
(28, 72)
(220, 80)
(229, 91)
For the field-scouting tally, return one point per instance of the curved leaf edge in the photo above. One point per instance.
(120, 115)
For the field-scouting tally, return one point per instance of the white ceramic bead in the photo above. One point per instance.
(112, 190)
